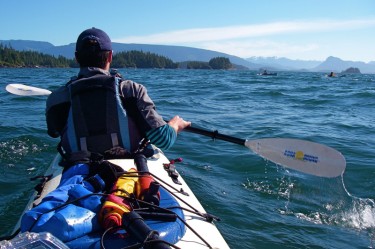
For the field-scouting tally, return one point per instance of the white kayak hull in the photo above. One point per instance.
(24, 90)
(205, 234)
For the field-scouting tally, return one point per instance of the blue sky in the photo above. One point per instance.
(296, 29)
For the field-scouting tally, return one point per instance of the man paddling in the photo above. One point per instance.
(97, 111)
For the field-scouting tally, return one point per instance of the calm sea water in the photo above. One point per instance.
(261, 205)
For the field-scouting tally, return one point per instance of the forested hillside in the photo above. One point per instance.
(10, 57)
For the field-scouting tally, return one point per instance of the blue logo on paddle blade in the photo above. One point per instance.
(299, 155)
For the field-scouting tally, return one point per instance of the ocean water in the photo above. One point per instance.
(261, 205)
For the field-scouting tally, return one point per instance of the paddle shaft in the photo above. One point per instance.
(215, 135)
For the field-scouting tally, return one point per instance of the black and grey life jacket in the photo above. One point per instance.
(97, 120)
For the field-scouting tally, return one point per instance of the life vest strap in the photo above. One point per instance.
(83, 143)
(114, 139)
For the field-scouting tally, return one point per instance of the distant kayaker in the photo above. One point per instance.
(332, 74)
(98, 110)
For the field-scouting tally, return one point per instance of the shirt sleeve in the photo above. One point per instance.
(163, 136)
(140, 107)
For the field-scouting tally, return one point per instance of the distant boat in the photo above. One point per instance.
(265, 73)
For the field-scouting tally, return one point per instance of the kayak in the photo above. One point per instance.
(23, 90)
(179, 221)
(268, 74)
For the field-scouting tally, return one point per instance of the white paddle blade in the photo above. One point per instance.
(308, 157)
(23, 90)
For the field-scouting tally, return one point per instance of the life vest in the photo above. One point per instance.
(97, 121)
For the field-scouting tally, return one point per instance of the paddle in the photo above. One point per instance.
(23, 90)
(304, 156)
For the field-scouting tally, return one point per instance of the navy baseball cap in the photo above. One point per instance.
(93, 40)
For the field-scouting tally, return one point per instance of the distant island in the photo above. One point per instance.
(10, 57)
(351, 70)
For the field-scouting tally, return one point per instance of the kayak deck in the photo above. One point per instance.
(200, 233)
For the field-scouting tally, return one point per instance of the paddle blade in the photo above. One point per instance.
(23, 90)
(308, 157)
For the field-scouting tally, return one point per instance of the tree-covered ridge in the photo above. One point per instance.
(10, 57)
(214, 63)
(220, 63)
(139, 59)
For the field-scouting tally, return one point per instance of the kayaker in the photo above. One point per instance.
(99, 110)
(332, 74)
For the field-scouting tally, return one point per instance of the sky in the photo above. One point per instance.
(295, 29)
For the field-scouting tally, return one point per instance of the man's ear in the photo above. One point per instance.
(76, 56)
(110, 56)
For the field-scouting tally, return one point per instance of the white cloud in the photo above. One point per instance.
(189, 36)
(269, 39)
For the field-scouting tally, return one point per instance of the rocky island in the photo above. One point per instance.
(351, 70)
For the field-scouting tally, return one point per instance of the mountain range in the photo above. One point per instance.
(182, 53)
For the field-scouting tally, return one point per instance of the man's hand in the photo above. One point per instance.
(178, 124)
